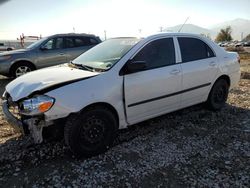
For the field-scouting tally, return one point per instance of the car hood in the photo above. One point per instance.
(12, 52)
(42, 79)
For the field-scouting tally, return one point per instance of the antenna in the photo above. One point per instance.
(183, 25)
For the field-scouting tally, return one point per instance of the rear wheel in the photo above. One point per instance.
(20, 69)
(218, 95)
(90, 132)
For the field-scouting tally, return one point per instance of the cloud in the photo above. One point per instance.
(3, 1)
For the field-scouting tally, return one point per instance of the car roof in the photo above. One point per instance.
(163, 34)
(72, 34)
(174, 34)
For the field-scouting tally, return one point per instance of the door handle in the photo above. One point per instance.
(62, 54)
(212, 64)
(175, 72)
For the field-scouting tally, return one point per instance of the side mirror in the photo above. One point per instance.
(134, 66)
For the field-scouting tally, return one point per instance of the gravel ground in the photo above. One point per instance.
(193, 147)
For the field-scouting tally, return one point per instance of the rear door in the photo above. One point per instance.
(200, 66)
(154, 90)
(51, 53)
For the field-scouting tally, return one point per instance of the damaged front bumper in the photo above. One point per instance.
(12, 120)
(34, 124)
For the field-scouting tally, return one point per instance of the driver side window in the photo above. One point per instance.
(158, 53)
(55, 43)
(49, 45)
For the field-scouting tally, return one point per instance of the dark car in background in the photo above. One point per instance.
(247, 44)
(48, 51)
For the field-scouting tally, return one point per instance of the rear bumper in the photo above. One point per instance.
(12, 120)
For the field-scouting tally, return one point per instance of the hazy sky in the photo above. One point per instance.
(117, 17)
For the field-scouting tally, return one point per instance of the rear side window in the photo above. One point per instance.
(79, 42)
(194, 49)
(82, 41)
(158, 53)
(71, 42)
(88, 41)
(93, 41)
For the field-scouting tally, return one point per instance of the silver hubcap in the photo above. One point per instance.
(22, 70)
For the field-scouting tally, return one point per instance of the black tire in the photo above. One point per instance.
(54, 132)
(218, 95)
(21, 68)
(90, 132)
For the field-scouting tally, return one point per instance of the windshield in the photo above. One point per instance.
(37, 43)
(106, 54)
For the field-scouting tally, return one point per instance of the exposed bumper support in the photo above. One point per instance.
(36, 129)
(35, 125)
(12, 120)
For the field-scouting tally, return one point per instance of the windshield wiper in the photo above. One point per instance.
(85, 67)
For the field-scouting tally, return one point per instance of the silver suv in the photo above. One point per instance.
(49, 51)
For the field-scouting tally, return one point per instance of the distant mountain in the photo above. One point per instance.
(190, 28)
(240, 27)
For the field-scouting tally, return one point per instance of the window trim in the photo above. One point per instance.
(194, 37)
(53, 37)
(122, 70)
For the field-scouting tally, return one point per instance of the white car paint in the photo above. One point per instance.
(120, 91)
(37, 80)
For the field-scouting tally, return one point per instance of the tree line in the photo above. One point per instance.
(225, 35)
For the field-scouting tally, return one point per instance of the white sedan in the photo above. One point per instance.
(120, 82)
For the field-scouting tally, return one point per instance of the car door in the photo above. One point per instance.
(51, 53)
(153, 90)
(199, 68)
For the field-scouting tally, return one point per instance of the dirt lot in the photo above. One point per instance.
(193, 147)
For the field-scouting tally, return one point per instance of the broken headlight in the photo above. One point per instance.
(36, 105)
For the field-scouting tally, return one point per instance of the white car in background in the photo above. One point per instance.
(118, 83)
(4, 47)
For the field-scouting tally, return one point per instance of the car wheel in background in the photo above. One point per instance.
(21, 68)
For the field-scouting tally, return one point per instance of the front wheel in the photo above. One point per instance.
(90, 132)
(21, 69)
(218, 95)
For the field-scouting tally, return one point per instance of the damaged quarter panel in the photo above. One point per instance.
(230, 66)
